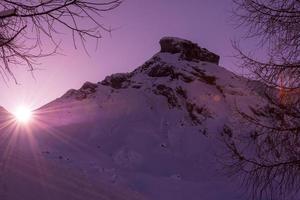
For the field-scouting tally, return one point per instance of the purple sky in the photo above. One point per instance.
(140, 24)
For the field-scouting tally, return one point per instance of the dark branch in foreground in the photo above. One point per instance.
(26, 25)
(266, 155)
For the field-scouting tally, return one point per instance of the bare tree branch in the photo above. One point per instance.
(26, 25)
(266, 156)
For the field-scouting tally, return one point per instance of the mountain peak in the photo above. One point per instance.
(180, 62)
(188, 50)
(160, 124)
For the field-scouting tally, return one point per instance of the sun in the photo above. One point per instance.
(23, 114)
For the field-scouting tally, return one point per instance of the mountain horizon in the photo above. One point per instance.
(152, 133)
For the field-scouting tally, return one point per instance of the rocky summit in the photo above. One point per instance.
(187, 50)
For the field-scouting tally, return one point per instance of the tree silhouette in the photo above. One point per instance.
(25, 25)
(268, 155)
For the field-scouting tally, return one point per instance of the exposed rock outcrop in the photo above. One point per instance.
(87, 89)
(117, 81)
(188, 50)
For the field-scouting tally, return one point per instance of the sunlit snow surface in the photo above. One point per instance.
(127, 143)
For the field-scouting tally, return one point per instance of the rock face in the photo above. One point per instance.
(188, 50)
(87, 89)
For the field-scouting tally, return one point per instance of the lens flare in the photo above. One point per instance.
(23, 114)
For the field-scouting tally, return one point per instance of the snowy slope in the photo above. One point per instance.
(149, 134)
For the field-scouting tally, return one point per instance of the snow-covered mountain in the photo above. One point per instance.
(148, 134)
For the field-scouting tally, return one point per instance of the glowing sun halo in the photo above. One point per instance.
(23, 114)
